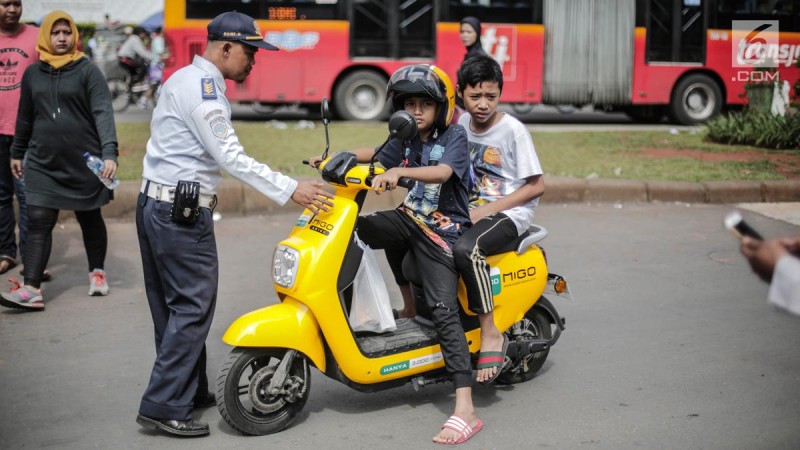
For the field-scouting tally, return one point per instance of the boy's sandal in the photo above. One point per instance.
(6, 263)
(487, 360)
(461, 427)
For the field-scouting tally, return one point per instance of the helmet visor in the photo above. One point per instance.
(416, 80)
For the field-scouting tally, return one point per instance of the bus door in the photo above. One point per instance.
(676, 31)
(393, 29)
(588, 54)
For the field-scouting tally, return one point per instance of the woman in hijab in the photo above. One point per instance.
(471, 38)
(64, 112)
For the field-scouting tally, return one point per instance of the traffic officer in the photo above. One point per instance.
(191, 140)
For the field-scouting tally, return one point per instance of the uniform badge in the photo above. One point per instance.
(209, 90)
(219, 127)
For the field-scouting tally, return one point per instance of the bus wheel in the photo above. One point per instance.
(696, 99)
(361, 96)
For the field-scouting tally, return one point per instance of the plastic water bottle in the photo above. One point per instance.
(96, 165)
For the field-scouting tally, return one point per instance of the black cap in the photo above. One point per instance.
(237, 27)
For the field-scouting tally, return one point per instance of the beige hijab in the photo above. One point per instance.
(44, 47)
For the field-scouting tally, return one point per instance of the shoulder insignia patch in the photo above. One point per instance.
(209, 90)
(219, 127)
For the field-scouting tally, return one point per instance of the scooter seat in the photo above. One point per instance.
(520, 244)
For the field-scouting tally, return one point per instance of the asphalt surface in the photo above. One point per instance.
(669, 344)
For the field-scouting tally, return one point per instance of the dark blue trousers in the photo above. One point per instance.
(181, 273)
(9, 186)
(396, 233)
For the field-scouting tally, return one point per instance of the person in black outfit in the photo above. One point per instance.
(64, 111)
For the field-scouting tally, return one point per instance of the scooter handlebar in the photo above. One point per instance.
(404, 182)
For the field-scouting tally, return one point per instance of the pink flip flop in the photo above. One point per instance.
(461, 427)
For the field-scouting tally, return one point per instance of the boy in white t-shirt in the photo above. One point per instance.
(508, 184)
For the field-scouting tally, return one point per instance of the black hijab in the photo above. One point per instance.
(476, 48)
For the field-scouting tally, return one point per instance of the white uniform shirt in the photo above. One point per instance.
(502, 158)
(784, 290)
(192, 137)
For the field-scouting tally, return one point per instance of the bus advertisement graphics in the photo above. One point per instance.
(756, 44)
(500, 42)
(291, 40)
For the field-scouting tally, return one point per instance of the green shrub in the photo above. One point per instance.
(751, 128)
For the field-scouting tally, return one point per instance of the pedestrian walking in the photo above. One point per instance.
(64, 111)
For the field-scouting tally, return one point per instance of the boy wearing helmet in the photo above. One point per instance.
(508, 186)
(431, 218)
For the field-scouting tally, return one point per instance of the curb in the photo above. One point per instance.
(236, 198)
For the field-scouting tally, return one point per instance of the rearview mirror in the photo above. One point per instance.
(324, 109)
(402, 126)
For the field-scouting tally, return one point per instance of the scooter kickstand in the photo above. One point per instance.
(279, 377)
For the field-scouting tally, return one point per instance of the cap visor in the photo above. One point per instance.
(259, 44)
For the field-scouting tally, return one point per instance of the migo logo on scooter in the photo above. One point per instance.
(321, 227)
(515, 276)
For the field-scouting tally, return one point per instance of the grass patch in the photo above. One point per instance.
(575, 154)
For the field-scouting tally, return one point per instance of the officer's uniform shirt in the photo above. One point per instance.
(192, 137)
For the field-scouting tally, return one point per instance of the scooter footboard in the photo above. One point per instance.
(289, 324)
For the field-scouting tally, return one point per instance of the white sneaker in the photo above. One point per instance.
(97, 282)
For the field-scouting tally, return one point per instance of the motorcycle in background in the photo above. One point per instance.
(125, 93)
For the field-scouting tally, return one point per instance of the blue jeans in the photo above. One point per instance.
(8, 187)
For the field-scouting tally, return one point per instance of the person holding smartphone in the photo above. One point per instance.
(776, 261)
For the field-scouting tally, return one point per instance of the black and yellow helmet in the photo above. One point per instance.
(427, 81)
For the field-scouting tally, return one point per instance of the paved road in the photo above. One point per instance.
(669, 344)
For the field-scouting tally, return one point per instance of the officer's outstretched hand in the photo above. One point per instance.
(310, 194)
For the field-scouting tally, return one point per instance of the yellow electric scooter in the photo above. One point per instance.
(266, 380)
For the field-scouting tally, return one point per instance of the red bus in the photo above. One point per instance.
(645, 57)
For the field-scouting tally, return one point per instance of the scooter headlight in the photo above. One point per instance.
(284, 266)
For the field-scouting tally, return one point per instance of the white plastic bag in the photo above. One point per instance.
(371, 310)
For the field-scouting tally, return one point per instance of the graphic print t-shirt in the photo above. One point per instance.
(17, 52)
(439, 209)
(502, 157)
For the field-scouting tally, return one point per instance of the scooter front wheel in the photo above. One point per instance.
(243, 395)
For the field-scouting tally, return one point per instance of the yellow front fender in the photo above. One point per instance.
(286, 325)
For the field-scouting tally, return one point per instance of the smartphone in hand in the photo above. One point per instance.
(736, 224)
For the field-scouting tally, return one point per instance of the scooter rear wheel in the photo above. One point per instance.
(535, 325)
(242, 396)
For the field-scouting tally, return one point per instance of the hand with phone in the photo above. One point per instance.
(762, 254)
(776, 261)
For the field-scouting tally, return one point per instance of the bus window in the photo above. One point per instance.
(785, 11)
(393, 29)
(676, 31)
(494, 11)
